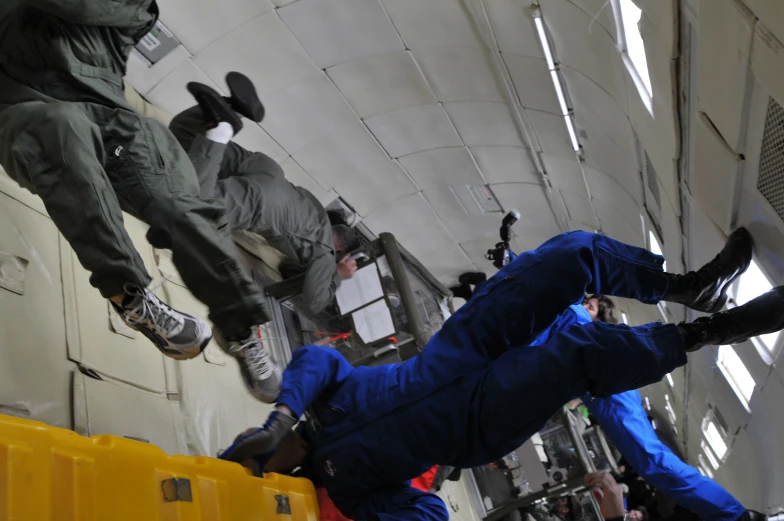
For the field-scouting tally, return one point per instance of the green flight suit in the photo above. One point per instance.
(258, 198)
(68, 134)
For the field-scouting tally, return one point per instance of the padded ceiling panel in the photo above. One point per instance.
(253, 138)
(530, 200)
(144, 78)
(357, 168)
(602, 11)
(413, 223)
(462, 226)
(604, 155)
(170, 94)
(579, 207)
(551, 133)
(579, 226)
(308, 112)
(506, 165)
(442, 167)
(596, 110)
(514, 27)
(460, 74)
(414, 129)
(197, 23)
(586, 51)
(434, 23)
(339, 32)
(382, 83)
(619, 226)
(297, 176)
(448, 259)
(565, 173)
(724, 44)
(605, 189)
(532, 82)
(265, 50)
(483, 123)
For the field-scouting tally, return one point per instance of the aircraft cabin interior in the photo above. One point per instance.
(424, 127)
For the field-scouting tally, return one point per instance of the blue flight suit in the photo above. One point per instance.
(479, 389)
(626, 424)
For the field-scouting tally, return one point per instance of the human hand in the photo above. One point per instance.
(346, 267)
(608, 493)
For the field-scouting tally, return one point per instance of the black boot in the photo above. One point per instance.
(255, 443)
(244, 98)
(463, 291)
(214, 107)
(706, 290)
(763, 315)
(753, 515)
(472, 277)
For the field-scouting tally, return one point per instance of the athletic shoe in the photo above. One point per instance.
(262, 377)
(244, 99)
(214, 107)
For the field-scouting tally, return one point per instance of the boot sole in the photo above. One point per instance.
(723, 299)
(199, 90)
(244, 96)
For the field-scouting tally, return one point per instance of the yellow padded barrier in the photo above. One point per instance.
(48, 473)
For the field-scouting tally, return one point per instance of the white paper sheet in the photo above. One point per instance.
(361, 289)
(373, 322)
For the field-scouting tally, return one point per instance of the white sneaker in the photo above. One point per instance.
(177, 335)
(261, 375)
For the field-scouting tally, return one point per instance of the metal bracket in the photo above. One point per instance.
(284, 506)
(177, 489)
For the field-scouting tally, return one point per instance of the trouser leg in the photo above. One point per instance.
(160, 187)
(625, 423)
(513, 307)
(313, 370)
(54, 150)
(599, 358)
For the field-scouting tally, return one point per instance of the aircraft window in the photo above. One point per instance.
(737, 375)
(714, 438)
(654, 247)
(670, 381)
(752, 284)
(632, 48)
(705, 467)
(709, 454)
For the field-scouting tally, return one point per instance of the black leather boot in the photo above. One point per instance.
(753, 515)
(472, 277)
(763, 315)
(706, 290)
(463, 291)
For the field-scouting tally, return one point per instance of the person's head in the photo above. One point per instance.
(601, 308)
(568, 508)
(346, 239)
(638, 514)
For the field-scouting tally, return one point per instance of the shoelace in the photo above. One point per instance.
(255, 355)
(154, 312)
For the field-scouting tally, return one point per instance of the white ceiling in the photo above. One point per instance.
(391, 103)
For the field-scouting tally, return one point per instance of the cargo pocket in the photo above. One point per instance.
(131, 191)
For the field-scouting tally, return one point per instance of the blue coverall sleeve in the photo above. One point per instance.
(400, 504)
(625, 423)
(313, 370)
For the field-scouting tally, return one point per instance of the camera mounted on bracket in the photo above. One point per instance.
(502, 254)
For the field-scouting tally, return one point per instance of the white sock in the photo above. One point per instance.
(222, 133)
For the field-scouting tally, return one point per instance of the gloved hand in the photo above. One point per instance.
(260, 443)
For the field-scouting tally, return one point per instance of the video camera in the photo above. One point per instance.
(502, 254)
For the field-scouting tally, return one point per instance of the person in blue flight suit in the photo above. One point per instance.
(625, 422)
(479, 390)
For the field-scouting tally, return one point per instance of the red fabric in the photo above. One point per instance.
(329, 512)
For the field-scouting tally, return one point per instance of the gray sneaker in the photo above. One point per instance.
(261, 375)
(177, 335)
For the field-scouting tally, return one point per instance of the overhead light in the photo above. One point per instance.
(670, 381)
(548, 55)
(559, 92)
(572, 134)
(625, 318)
